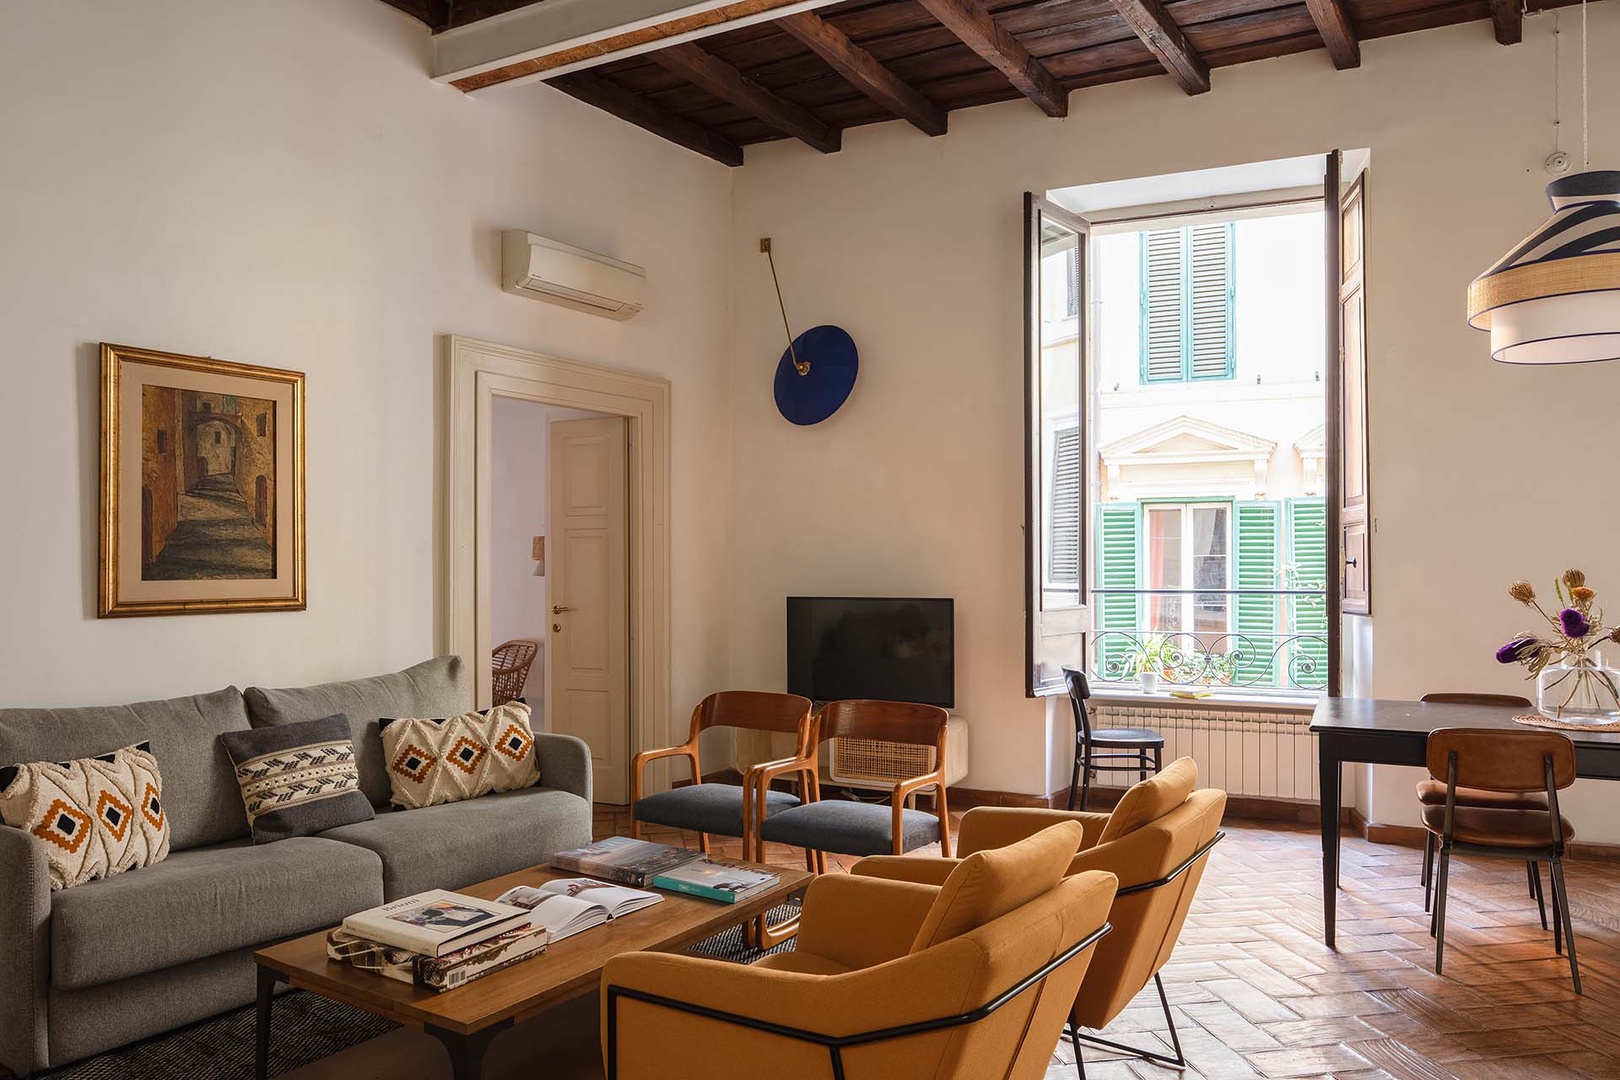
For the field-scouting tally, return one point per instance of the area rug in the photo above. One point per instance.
(308, 1027)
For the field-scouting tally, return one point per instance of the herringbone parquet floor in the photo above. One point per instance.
(1255, 993)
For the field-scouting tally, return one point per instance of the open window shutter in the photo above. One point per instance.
(1064, 552)
(1307, 615)
(1209, 300)
(1057, 612)
(1355, 510)
(1162, 322)
(1258, 566)
(1119, 566)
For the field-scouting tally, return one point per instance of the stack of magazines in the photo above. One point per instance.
(441, 940)
(641, 863)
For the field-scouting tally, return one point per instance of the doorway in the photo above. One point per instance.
(559, 545)
(596, 417)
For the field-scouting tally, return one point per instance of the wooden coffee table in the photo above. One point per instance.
(468, 1018)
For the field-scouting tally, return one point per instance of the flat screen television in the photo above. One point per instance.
(892, 649)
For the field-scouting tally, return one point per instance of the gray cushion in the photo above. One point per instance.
(299, 779)
(198, 903)
(200, 795)
(706, 808)
(849, 828)
(102, 1018)
(436, 687)
(458, 844)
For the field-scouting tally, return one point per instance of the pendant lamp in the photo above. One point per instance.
(1555, 298)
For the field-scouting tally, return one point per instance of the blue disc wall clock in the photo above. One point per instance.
(815, 375)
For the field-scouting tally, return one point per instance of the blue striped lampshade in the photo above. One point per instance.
(1555, 298)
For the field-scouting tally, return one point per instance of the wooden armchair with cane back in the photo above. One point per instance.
(509, 666)
(720, 809)
(960, 981)
(1156, 842)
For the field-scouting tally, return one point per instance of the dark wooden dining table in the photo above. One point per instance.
(1375, 732)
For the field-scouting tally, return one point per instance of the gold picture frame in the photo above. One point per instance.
(202, 485)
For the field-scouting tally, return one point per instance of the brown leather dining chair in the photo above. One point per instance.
(1509, 763)
(1432, 792)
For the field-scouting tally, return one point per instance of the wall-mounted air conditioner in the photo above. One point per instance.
(560, 274)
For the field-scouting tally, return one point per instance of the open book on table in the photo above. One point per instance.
(568, 905)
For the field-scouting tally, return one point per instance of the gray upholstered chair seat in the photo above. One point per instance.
(204, 902)
(705, 808)
(461, 843)
(849, 828)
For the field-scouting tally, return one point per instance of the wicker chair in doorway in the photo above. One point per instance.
(509, 668)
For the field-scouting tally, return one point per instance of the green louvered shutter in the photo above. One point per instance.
(1063, 553)
(1209, 301)
(1307, 569)
(1119, 566)
(1258, 566)
(1162, 316)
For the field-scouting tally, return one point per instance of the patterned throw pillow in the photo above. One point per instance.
(463, 757)
(96, 817)
(298, 779)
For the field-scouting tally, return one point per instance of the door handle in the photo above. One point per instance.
(558, 609)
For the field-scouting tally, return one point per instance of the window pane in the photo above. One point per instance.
(1164, 568)
(1211, 568)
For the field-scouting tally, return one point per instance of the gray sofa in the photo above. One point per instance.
(90, 968)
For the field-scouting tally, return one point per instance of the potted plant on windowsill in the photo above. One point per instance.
(1153, 655)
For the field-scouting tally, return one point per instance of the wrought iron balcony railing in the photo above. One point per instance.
(1284, 645)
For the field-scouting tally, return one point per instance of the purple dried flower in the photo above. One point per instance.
(1518, 650)
(1573, 623)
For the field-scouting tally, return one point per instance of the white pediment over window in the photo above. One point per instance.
(1187, 457)
(1312, 448)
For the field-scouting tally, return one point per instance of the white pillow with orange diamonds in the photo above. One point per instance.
(433, 761)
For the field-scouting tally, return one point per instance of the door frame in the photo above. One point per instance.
(478, 371)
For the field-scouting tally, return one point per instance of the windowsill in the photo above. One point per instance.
(1281, 701)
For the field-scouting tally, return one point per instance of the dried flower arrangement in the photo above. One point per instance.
(1578, 629)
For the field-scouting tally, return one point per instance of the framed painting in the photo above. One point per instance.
(202, 485)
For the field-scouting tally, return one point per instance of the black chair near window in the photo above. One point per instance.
(1099, 749)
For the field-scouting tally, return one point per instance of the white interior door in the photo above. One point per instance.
(589, 566)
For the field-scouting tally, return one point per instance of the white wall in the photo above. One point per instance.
(915, 246)
(279, 182)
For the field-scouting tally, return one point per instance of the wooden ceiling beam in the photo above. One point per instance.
(725, 82)
(594, 90)
(979, 31)
(865, 73)
(1165, 40)
(1507, 17)
(1333, 23)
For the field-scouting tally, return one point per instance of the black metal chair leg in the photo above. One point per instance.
(1177, 1062)
(1534, 870)
(1158, 759)
(1141, 759)
(1427, 874)
(1557, 911)
(1170, 1022)
(1557, 870)
(1440, 910)
(1074, 778)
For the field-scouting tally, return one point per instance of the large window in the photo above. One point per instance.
(1188, 314)
(1190, 415)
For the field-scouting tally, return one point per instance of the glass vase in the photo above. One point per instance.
(1580, 690)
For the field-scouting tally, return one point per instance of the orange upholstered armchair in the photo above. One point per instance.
(967, 979)
(1155, 842)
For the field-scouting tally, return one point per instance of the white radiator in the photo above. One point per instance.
(1248, 752)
